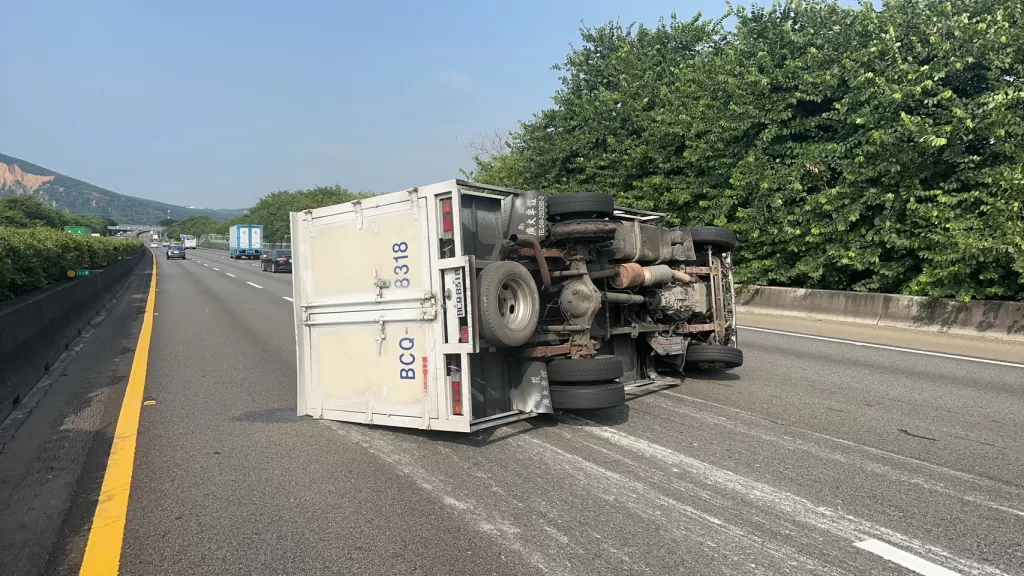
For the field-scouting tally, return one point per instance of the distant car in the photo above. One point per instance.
(176, 252)
(276, 261)
(166, 243)
(154, 244)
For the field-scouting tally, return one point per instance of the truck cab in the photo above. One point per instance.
(458, 306)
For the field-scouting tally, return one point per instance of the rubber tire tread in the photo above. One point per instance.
(722, 238)
(492, 329)
(595, 369)
(713, 354)
(580, 206)
(582, 231)
(588, 397)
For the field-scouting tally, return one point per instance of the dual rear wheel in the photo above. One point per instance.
(586, 383)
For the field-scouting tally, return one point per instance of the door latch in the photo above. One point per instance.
(380, 284)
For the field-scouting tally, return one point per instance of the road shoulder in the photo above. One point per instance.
(51, 468)
(953, 344)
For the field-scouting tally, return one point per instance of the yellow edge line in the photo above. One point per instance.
(103, 551)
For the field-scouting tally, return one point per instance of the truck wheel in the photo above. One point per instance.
(588, 397)
(713, 355)
(583, 231)
(714, 236)
(509, 304)
(582, 206)
(595, 369)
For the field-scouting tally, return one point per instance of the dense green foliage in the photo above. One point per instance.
(77, 197)
(36, 251)
(36, 257)
(193, 226)
(27, 212)
(271, 211)
(850, 148)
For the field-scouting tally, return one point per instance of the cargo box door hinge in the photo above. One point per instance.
(381, 334)
(357, 206)
(414, 197)
(429, 307)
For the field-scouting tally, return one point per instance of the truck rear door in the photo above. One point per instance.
(366, 312)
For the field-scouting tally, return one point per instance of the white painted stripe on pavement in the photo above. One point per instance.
(217, 269)
(884, 347)
(256, 285)
(207, 265)
(230, 274)
(287, 298)
(904, 559)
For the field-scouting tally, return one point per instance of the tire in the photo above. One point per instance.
(702, 354)
(587, 397)
(582, 231)
(582, 206)
(720, 238)
(597, 369)
(509, 304)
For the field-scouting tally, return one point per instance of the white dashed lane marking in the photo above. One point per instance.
(287, 298)
(255, 285)
(230, 274)
(908, 561)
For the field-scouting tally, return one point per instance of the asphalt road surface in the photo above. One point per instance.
(816, 457)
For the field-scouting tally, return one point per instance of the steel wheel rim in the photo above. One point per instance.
(515, 307)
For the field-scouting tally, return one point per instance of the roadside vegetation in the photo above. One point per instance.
(271, 211)
(35, 251)
(851, 148)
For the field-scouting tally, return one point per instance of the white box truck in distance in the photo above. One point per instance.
(189, 243)
(458, 306)
(245, 241)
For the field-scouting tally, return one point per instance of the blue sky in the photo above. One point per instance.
(215, 103)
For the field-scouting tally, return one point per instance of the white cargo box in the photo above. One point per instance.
(375, 344)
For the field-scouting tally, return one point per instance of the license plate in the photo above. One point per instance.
(459, 293)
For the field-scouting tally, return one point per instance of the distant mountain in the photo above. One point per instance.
(76, 197)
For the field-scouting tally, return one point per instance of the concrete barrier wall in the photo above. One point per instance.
(37, 327)
(989, 318)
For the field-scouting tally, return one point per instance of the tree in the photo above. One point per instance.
(850, 148)
(272, 210)
(192, 226)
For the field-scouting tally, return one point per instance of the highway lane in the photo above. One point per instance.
(811, 459)
(228, 480)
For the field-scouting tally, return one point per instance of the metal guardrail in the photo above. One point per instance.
(220, 242)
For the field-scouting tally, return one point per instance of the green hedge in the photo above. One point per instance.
(31, 258)
(876, 147)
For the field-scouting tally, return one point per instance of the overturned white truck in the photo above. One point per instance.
(458, 306)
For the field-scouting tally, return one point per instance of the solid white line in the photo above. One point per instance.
(287, 298)
(230, 274)
(256, 285)
(904, 559)
(883, 347)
